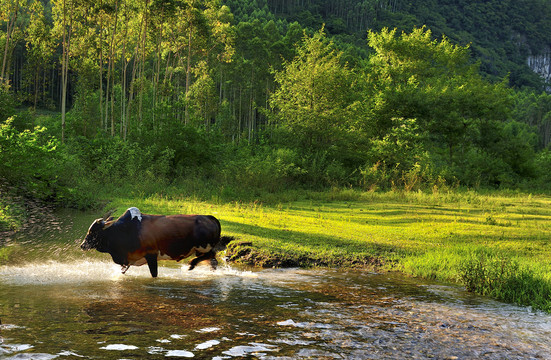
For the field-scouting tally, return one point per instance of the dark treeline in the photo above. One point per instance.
(268, 94)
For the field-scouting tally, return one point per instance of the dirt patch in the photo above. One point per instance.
(248, 254)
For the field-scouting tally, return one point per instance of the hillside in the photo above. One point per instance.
(503, 34)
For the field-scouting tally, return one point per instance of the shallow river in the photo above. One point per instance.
(84, 308)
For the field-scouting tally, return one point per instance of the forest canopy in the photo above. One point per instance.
(270, 94)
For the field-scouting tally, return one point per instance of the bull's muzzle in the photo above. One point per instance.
(85, 245)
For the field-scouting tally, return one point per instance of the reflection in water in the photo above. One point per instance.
(87, 309)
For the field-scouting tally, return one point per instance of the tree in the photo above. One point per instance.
(40, 47)
(413, 76)
(317, 98)
(67, 21)
(9, 13)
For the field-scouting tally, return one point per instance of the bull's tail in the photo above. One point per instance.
(225, 240)
(221, 245)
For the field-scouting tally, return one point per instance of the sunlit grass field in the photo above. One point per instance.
(493, 243)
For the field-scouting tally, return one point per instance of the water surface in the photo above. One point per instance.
(57, 302)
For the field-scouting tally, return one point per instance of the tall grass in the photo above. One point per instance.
(497, 275)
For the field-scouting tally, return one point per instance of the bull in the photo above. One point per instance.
(137, 239)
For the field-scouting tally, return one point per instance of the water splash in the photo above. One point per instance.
(79, 272)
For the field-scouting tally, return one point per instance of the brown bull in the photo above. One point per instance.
(136, 239)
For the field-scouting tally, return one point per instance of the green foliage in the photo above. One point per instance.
(315, 100)
(263, 169)
(403, 146)
(459, 116)
(255, 93)
(11, 212)
(25, 157)
(535, 110)
(114, 161)
(496, 275)
(34, 164)
(7, 104)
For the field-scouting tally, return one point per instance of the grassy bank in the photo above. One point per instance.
(496, 244)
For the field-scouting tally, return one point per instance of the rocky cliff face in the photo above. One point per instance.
(541, 64)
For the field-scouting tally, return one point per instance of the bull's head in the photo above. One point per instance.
(93, 237)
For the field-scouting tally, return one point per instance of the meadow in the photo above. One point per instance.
(495, 243)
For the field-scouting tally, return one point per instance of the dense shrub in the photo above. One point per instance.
(35, 164)
(262, 168)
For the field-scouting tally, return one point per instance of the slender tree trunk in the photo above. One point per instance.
(133, 79)
(188, 74)
(156, 76)
(112, 69)
(104, 126)
(240, 113)
(65, 66)
(9, 32)
(141, 75)
(124, 65)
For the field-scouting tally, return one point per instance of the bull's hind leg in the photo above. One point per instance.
(206, 256)
(213, 263)
(152, 263)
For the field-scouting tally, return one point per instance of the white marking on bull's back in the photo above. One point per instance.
(135, 212)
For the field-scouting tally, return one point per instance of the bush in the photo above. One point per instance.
(267, 169)
(543, 169)
(115, 161)
(7, 104)
(36, 165)
(26, 158)
(381, 176)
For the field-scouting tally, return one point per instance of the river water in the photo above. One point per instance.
(59, 303)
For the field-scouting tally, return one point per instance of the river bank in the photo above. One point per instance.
(495, 244)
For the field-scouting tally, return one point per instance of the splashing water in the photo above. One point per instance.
(87, 271)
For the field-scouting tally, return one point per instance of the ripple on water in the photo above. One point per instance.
(119, 347)
(207, 344)
(257, 349)
(32, 356)
(179, 353)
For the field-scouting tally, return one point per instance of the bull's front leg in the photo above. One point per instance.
(152, 263)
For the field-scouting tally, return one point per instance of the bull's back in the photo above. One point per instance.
(179, 236)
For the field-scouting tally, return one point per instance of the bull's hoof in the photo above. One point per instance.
(213, 263)
(191, 267)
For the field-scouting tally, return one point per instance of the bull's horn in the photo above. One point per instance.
(108, 214)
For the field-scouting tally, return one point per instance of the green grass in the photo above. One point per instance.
(496, 244)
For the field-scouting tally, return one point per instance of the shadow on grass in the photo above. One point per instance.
(287, 248)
